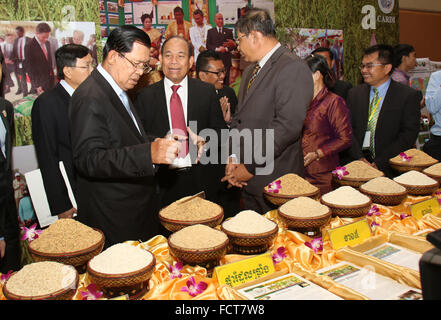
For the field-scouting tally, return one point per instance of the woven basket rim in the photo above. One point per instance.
(8, 294)
(399, 194)
(412, 187)
(73, 253)
(291, 218)
(115, 276)
(344, 178)
(192, 222)
(408, 165)
(291, 196)
(251, 235)
(436, 176)
(336, 206)
(201, 251)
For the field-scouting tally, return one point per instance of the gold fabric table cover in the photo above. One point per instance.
(299, 258)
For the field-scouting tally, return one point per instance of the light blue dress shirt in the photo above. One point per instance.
(433, 101)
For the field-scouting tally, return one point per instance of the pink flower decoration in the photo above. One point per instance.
(175, 271)
(30, 233)
(5, 277)
(275, 186)
(92, 293)
(405, 157)
(340, 172)
(316, 244)
(438, 193)
(373, 210)
(194, 288)
(403, 216)
(279, 255)
(374, 224)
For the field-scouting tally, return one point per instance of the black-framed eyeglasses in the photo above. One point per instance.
(369, 66)
(217, 73)
(240, 38)
(87, 66)
(140, 65)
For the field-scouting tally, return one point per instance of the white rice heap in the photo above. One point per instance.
(346, 196)
(249, 222)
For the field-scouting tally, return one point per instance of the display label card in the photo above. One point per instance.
(244, 271)
(350, 234)
(420, 209)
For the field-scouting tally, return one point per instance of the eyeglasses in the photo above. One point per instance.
(87, 66)
(144, 66)
(369, 66)
(215, 72)
(240, 38)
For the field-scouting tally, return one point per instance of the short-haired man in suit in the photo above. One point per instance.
(19, 59)
(50, 126)
(385, 114)
(114, 159)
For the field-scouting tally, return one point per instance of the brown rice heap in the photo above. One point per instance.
(249, 222)
(121, 258)
(361, 170)
(415, 178)
(198, 236)
(304, 207)
(66, 235)
(383, 185)
(197, 209)
(293, 184)
(346, 196)
(418, 158)
(433, 170)
(41, 278)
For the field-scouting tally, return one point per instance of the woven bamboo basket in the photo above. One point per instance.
(176, 225)
(385, 199)
(420, 190)
(348, 211)
(303, 224)
(351, 182)
(280, 199)
(244, 243)
(63, 294)
(134, 284)
(404, 167)
(433, 176)
(78, 259)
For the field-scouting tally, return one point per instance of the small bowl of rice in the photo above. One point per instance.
(417, 183)
(385, 191)
(347, 201)
(434, 172)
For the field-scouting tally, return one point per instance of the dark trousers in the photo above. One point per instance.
(433, 147)
(20, 74)
(256, 202)
(8, 213)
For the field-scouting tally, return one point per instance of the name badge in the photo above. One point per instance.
(420, 209)
(350, 234)
(367, 140)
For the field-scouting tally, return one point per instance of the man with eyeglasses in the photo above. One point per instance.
(114, 158)
(385, 114)
(50, 126)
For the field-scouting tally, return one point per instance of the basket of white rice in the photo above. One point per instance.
(417, 183)
(384, 191)
(347, 201)
(434, 172)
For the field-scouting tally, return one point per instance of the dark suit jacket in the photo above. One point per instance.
(215, 39)
(15, 55)
(115, 181)
(204, 108)
(50, 132)
(38, 67)
(342, 88)
(7, 117)
(277, 100)
(228, 92)
(397, 126)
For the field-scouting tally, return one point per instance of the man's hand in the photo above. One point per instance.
(165, 150)
(309, 158)
(226, 108)
(198, 141)
(67, 214)
(2, 248)
(238, 177)
(230, 43)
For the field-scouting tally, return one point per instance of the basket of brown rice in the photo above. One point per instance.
(67, 241)
(288, 187)
(250, 232)
(304, 214)
(198, 245)
(384, 191)
(182, 213)
(122, 269)
(412, 159)
(358, 172)
(434, 172)
(347, 201)
(42, 281)
(417, 183)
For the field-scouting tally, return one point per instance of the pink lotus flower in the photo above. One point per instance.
(92, 293)
(175, 271)
(5, 277)
(373, 210)
(30, 233)
(403, 216)
(405, 157)
(194, 288)
(316, 244)
(275, 186)
(374, 224)
(279, 255)
(340, 172)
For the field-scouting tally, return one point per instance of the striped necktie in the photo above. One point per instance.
(372, 120)
(253, 76)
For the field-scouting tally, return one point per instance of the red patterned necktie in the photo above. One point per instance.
(43, 47)
(178, 120)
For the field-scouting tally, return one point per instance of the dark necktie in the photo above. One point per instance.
(253, 76)
(178, 119)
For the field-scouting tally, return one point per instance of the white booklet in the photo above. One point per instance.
(287, 287)
(370, 284)
(396, 255)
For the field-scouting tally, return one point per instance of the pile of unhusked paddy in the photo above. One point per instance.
(361, 170)
(383, 185)
(418, 158)
(196, 209)
(303, 207)
(198, 236)
(41, 278)
(433, 170)
(293, 184)
(249, 222)
(121, 258)
(415, 178)
(346, 196)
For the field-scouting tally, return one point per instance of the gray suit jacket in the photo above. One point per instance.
(277, 100)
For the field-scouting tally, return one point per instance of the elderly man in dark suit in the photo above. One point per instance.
(198, 105)
(50, 126)
(385, 114)
(9, 231)
(274, 94)
(114, 158)
(19, 59)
